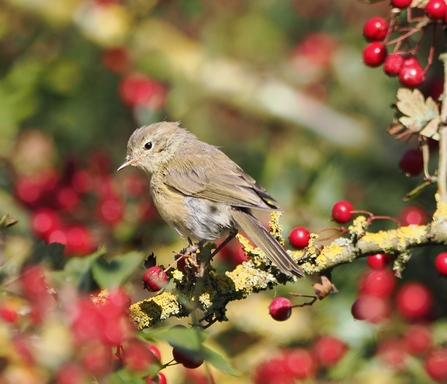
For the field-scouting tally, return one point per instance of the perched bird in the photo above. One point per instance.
(202, 193)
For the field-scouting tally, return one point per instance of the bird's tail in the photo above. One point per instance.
(266, 242)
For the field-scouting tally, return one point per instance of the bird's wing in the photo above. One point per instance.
(212, 175)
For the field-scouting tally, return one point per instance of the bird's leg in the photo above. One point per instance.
(230, 237)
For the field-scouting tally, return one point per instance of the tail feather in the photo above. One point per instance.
(266, 242)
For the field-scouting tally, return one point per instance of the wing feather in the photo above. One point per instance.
(210, 174)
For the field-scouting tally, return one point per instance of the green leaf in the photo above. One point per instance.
(416, 191)
(112, 273)
(78, 270)
(218, 361)
(190, 339)
(51, 254)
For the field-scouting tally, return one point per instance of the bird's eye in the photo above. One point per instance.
(148, 145)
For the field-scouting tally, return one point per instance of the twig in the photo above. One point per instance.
(442, 167)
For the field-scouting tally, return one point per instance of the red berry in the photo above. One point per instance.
(379, 261)
(160, 379)
(280, 308)
(154, 350)
(375, 29)
(81, 181)
(67, 198)
(138, 89)
(412, 162)
(299, 237)
(8, 315)
(342, 212)
(436, 9)
(299, 363)
(76, 238)
(329, 350)
(187, 359)
(137, 357)
(28, 191)
(374, 54)
(44, 221)
(110, 210)
(154, 279)
(436, 364)
(377, 283)
(413, 215)
(116, 59)
(392, 353)
(371, 308)
(402, 4)
(417, 339)
(97, 358)
(393, 64)
(441, 263)
(71, 373)
(413, 300)
(411, 75)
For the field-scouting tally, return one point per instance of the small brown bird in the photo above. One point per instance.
(202, 193)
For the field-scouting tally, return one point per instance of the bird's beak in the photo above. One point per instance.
(129, 161)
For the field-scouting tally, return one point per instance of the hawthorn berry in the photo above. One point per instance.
(374, 54)
(413, 300)
(154, 279)
(417, 339)
(392, 353)
(393, 64)
(44, 221)
(280, 308)
(411, 75)
(413, 215)
(379, 261)
(329, 350)
(160, 379)
(187, 359)
(371, 308)
(375, 29)
(436, 9)
(110, 210)
(436, 364)
(138, 89)
(299, 237)
(412, 162)
(342, 212)
(137, 357)
(402, 4)
(154, 350)
(300, 363)
(377, 283)
(441, 263)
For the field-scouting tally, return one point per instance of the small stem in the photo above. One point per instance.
(426, 157)
(442, 166)
(403, 37)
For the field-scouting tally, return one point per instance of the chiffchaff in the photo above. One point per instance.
(200, 192)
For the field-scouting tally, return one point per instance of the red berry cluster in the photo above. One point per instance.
(397, 31)
(80, 205)
(413, 300)
(300, 363)
(79, 336)
(135, 88)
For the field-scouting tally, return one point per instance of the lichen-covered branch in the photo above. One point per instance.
(211, 293)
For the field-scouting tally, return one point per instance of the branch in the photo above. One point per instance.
(442, 167)
(213, 292)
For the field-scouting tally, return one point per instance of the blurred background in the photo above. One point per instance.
(279, 86)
